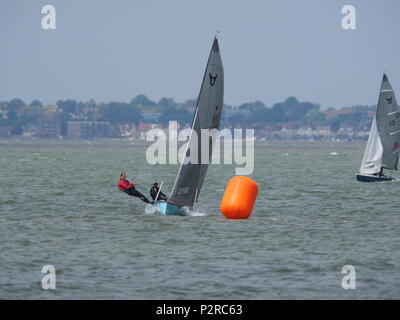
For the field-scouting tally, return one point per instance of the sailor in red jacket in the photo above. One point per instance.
(129, 188)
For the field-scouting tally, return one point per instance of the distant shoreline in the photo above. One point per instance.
(145, 143)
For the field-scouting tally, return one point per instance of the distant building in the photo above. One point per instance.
(345, 132)
(306, 132)
(31, 130)
(151, 117)
(237, 112)
(5, 131)
(287, 133)
(362, 134)
(50, 127)
(322, 132)
(88, 129)
(144, 127)
(127, 130)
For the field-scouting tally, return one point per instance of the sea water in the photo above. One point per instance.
(59, 206)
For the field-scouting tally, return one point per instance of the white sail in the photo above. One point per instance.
(372, 160)
(388, 125)
(207, 116)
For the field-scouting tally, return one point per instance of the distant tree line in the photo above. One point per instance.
(17, 114)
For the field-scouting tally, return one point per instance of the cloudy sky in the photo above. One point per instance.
(113, 50)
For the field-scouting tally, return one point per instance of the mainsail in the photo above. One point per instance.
(207, 115)
(383, 146)
(388, 125)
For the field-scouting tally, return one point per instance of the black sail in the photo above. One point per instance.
(207, 115)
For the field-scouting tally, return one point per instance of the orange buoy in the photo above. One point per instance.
(239, 198)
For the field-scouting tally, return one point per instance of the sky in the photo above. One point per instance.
(271, 49)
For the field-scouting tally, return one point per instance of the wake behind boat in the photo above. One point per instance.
(207, 115)
(383, 146)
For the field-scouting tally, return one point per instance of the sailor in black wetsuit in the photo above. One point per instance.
(129, 188)
(154, 190)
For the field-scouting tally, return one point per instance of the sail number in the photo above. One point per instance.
(393, 121)
(216, 119)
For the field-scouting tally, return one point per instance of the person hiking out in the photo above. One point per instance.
(129, 188)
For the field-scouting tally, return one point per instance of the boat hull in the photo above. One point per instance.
(372, 178)
(170, 209)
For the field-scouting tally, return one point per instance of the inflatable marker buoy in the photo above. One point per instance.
(239, 198)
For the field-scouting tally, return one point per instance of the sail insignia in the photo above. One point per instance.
(213, 78)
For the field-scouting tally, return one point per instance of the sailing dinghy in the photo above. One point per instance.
(207, 115)
(383, 146)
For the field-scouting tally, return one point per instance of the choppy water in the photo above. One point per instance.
(59, 205)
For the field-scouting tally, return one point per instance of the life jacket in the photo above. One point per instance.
(124, 185)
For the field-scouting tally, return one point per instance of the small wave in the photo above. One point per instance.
(9, 201)
(150, 209)
(333, 153)
(196, 213)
